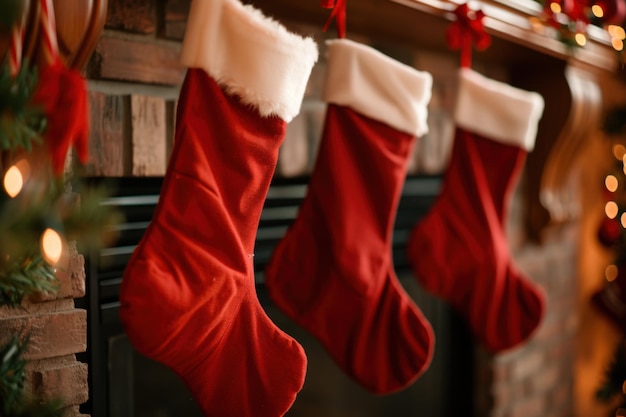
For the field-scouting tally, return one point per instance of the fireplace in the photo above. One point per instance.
(135, 72)
(125, 384)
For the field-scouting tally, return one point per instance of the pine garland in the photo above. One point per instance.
(611, 389)
(614, 377)
(26, 277)
(12, 377)
(20, 123)
(43, 202)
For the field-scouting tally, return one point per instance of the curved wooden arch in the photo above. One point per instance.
(79, 25)
(556, 193)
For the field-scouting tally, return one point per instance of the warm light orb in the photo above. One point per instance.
(536, 24)
(622, 220)
(555, 7)
(13, 181)
(616, 32)
(610, 273)
(611, 209)
(581, 39)
(617, 44)
(619, 151)
(51, 246)
(597, 11)
(15, 177)
(611, 183)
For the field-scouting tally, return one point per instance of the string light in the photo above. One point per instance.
(623, 220)
(597, 11)
(51, 246)
(617, 41)
(555, 7)
(611, 183)
(15, 177)
(617, 32)
(611, 209)
(611, 272)
(581, 39)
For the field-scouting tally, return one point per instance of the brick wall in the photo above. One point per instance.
(134, 80)
(537, 379)
(57, 332)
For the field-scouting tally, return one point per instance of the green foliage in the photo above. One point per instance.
(23, 277)
(13, 403)
(34, 408)
(12, 375)
(20, 122)
(43, 202)
(11, 12)
(615, 376)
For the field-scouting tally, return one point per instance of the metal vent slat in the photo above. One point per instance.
(136, 199)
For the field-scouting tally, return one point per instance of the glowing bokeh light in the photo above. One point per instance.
(597, 10)
(611, 209)
(611, 183)
(616, 32)
(51, 246)
(610, 273)
(13, 181)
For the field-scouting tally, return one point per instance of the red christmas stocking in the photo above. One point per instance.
(459, 250)
(188, 295)
(332, 273)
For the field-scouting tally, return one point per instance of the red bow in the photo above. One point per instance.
(468, 29)
(338, 13)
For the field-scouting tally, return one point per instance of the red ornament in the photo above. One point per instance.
(610, 232)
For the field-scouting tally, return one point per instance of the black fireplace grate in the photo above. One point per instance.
(136, 198)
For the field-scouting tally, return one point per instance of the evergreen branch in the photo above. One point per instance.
(25, 277)
(20, 122)
(12, 375)
(13, 402)
(11, 11)
(35, 408)
(615, 375)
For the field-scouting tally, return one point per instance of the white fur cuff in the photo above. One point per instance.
(377, 86)
(497, 110)
(250, 55)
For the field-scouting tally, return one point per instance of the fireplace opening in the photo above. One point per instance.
(123, 383)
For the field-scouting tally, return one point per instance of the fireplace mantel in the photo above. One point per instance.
(569, 79)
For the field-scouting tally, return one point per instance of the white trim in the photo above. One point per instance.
(497, 110)
(250, 55)
(377, 86)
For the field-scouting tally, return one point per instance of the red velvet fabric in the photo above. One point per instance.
(333, 272)
(188, 295)
(62, 94)
(459, 251)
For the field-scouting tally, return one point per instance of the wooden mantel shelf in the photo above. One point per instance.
(511, 20)
(423, 23)
(569, 80)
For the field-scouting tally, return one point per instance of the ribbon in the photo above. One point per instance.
(467, 30)
(338, 13)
